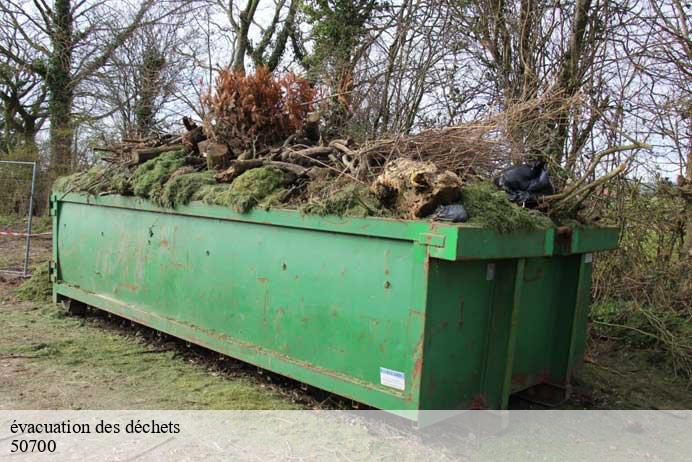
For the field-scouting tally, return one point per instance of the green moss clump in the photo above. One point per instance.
(149, 178)
(264, 187)
(181, 189)
(490, 208)
(352, 200)
(121, 183)
(38, 287)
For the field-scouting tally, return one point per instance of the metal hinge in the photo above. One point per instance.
(53, 206)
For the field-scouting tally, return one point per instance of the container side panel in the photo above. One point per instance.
(543, 299)
(584, 263)
(552, 322)
(459, 295)
(337, 302)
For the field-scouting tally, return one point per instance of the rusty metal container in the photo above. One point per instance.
(399, 315)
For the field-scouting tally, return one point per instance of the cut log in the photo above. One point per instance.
(217, 154)
(311, 129)
(142, 155)
(237, 168)
(287, 167)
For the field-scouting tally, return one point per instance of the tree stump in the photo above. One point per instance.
(416, 188)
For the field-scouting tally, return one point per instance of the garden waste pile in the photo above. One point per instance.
(263, 145)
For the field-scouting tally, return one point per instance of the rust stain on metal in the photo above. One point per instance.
(564, 238)
(418, 354)
(263, 280)
(479, 402)
(131, 287)
(418, 314)
(164, 243)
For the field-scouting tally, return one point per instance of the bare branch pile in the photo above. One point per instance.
(262, 144)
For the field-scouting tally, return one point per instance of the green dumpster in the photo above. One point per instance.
(399, 315)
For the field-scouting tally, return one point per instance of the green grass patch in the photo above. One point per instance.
(38, 287)
(40, 224)
(96, 367)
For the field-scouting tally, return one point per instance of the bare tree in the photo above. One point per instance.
(22, 100)
(145, 75)
(74, 39)
(273, 36)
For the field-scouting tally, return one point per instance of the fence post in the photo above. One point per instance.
(28, 225)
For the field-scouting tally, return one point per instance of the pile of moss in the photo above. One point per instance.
(349, 200)
(181, 189)
(489, 207)
(38, 287)
(149, 179)
(260, 187)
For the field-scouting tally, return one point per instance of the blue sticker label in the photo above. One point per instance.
(392, 378)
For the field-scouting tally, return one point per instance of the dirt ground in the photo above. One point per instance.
(49, 360)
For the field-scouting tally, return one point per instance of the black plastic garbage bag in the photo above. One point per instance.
(455, 213)
(524, 184)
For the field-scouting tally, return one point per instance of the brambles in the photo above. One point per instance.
(642, 291)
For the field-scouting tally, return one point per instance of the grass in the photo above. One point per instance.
(96, 368)
(38, 287)
(617, 376)
(664, 335)
(40, 224)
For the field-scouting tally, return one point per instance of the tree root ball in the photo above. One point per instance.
(416, 187)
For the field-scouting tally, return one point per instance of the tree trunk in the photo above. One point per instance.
(686, 190)
(60, 91)
(242, 40)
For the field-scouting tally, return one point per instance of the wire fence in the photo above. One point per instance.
(17, 191)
